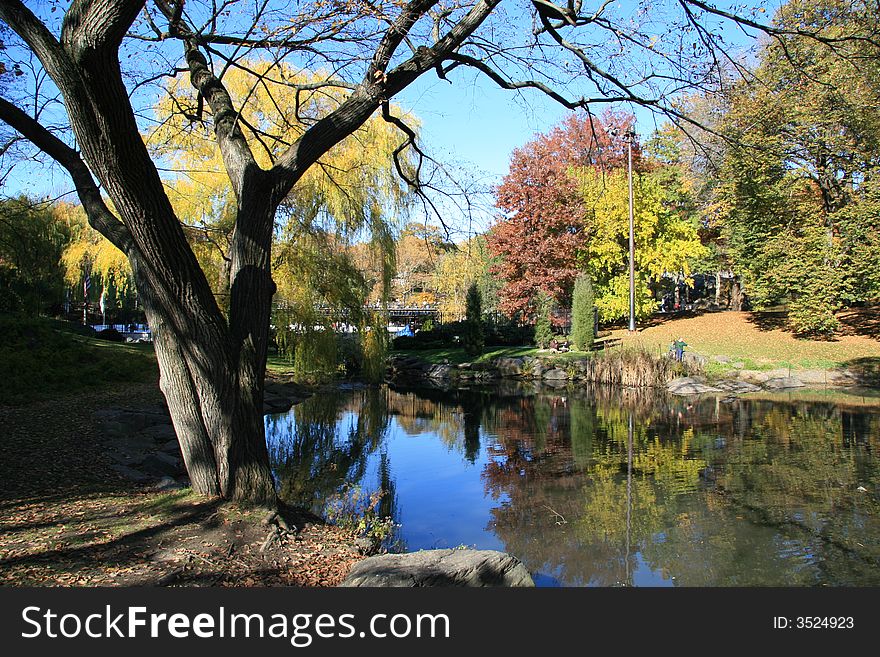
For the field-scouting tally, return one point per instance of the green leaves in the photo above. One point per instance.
(666, 239)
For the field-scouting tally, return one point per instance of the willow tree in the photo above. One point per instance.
(101, 56)
(354, 196)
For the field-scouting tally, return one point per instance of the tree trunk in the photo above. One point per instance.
(718, 281)
(736, 294)
(215, 403)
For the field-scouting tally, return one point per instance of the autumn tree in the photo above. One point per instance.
(469, 261)
(666, 238)
(804, 149)
(419, 249)
(100, 60)
(542, 231)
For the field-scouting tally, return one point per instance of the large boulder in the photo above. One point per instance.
(555, 374)
(694, 360)
(738, 387)
(440, 372)
(440, 568)
(509, 366)
(783, 383)
(690, 385)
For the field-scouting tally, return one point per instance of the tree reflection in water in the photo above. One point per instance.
(601, 486)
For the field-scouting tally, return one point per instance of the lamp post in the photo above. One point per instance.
(629, 137)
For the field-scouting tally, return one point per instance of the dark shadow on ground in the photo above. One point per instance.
(127, 548)
(769, 320)
(866, 370)
(861, 321)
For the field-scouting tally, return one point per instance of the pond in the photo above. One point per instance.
(605, 487)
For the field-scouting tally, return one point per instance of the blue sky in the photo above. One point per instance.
(471, 122)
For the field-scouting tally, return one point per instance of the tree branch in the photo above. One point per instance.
(100, 217)
(97, 26)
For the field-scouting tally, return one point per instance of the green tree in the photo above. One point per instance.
(583, 302)
(32, 239)
(803, 149)
(473, 336)
(543, 322)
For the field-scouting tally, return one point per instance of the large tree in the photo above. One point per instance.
(805, 148)
(102, 55)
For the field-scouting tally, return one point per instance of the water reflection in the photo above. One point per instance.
(603, 486)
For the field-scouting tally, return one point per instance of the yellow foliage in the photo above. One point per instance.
(352, 193)
(90, 251)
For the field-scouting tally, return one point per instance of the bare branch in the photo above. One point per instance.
(98, 214)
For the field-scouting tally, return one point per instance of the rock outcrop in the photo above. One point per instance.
(440, 568)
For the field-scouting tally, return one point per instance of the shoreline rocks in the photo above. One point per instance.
(472, 568)
(410, 368)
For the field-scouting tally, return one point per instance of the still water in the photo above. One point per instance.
(606, 487)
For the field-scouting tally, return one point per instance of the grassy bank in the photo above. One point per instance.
(761, 341)
(43, 359)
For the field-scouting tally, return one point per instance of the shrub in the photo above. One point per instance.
(582, 313)
(473, 338)
(543, 325)
(812, 317)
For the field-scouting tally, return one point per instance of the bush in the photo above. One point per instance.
(110, 334)
(812, 317)
(582, 313)
(543, 325)
(473, 337)
(509, 333)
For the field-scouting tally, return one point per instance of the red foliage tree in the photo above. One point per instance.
(542, 230)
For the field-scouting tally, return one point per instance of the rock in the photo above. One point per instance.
(783, 383)
(129, 449)
(509, 366)
(825, 377)
(439, 372)
(440, 568)
(694, 360)
(159, 433)
(537, 369)
(171, 447)
(689, 385)
(167, 483)
(555, 374)
(739, 387)
(121, 420)
(274, 404)
(162, 464)
(721, 359)
(753, 376)
(131, 474)
(738, 365)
